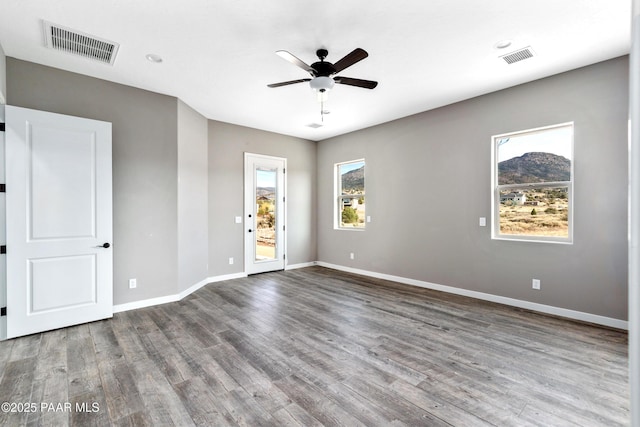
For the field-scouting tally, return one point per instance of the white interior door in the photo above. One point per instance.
(264, 213)
(59, 221)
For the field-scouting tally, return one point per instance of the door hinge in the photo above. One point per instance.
(284, 227)
(284, 256)
(3, 188)
(3, 249)
(1, 127)
(284, 170)
(3, 311)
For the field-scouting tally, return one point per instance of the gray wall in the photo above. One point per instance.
(227, 145)
(145, 162)
(193, 221)
(428, 180)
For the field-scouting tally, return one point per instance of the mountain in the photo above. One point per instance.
(534, 167)
(268, 192)
(353, 181)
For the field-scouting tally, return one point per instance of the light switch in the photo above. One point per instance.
(238, 220)
(483, 221)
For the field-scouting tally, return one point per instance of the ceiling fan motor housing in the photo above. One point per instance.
(323, 68)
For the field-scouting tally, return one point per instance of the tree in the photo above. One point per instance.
(534, 212)
(270, 220)
(349, 215)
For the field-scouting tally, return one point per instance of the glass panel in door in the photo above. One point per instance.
(266, 211)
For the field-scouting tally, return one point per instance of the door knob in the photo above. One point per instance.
(105, 245)
(249, 230)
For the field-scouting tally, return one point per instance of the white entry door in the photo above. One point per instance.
(59, 221)
(264, 213)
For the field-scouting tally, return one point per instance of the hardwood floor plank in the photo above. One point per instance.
(50, 381)
(311, 399)
(397, 409)
(5, 352)
(90, 409)
(15, 389)
(159, 397)
(246, 411)
(293, 415)
(314, 346)
(434, 405)
(26, 347)
(201, 404)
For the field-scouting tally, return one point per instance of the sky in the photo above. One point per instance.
(348, 167)
(265, 178)
(557, 141)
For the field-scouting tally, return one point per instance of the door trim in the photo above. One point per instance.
(281, 215)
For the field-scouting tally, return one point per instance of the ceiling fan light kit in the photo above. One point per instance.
(322, 83)
(323, 72)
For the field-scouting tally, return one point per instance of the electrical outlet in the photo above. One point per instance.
(352, 255)
(133, 283)
(230, 260)
(535, 284)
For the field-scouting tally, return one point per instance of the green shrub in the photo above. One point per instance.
(349, 215)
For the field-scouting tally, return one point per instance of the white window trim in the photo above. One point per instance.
(337, 199)
(495, 191)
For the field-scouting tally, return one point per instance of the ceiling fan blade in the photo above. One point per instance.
(290, 82)
(367, 84)
(295, 61)
(355, 56)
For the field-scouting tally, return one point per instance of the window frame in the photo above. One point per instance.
(496, 189)
(339, 198)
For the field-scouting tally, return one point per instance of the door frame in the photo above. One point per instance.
(3, 235)
(249, 209)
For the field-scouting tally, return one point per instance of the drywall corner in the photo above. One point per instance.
(3, 77)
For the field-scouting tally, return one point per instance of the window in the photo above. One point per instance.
(350, 200)
(533, 184)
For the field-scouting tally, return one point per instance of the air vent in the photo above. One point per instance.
(518, 55)
(78, 43)
(314, 125)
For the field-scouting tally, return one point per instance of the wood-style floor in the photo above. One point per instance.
(319, 347)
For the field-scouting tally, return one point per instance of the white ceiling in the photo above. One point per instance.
(219, 55)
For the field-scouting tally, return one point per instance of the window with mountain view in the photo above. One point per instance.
(350, 195)
(533, 184)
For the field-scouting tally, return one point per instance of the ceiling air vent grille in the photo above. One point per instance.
(314, 125)
(517, 56)
(78, 43)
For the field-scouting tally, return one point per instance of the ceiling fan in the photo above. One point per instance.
(322, 72)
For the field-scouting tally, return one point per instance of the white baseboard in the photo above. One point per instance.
(300, 265)
(176, 297)
(145, 303)
(542, 308)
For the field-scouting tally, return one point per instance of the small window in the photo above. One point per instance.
(350, 197)
(533, 184)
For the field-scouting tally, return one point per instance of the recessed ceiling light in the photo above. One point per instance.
(502, 44)
(152, 57)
